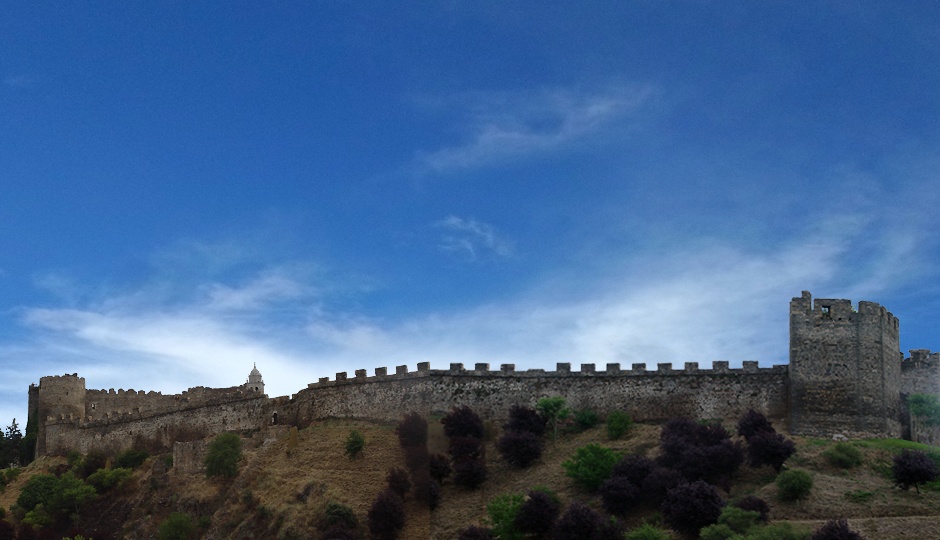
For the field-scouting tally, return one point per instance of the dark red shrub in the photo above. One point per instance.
(754, 504)
(398, 481)
(462, 422)
(619, 495)
(836, 529)
(658, 483)
(475, 533)
(635, 468)
(7, 530)
(752, 423)
(416, 457)
(610, 529)
(469, 473)
(525, 419)
(465, 448)
(440, 468)
(412, 430)
(769, 449)
(537, 514)
(519, 448)
(689, 507)
(912, 468)
(577, 523)
(434, 494)
(386, 517)
(699, 451)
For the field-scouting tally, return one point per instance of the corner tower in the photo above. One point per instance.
(58, 399)
(845, 369)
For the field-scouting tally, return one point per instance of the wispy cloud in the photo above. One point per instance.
(471, 239)
(504, 125)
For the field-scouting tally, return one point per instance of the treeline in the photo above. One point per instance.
(15, 448)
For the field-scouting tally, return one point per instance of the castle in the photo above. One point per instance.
(846, 376)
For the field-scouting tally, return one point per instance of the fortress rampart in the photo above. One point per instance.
(846, 375)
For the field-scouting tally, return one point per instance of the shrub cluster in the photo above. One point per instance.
(386, 516)
(223, 455)
(398, 481)
(439, 467)
(130, 459)
(521, 443)
(699, 451)
(836, 529)
(355, 444)
(764, 445)
(537, 514)
(412, 433)
(465, 430)
(689, 507)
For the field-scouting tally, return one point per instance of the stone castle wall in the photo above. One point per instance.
(846, 375)
(719, 392)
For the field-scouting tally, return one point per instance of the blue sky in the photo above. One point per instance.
(188, 188)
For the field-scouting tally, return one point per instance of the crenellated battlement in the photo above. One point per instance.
(562, 370)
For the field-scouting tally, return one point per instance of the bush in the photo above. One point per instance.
(769, 449)
(753, 423)
(699, 451)
(836, 529)
(754, 504)
(793, 485)
(519, 448)
(462, 422)
(635, 468)
(591, 465)
(336, 513)
(105, 479)
(130, 459)
(738, 519)
(398, 481)
(619, 495)
(658, 483)
(648, 532)
(475, 533)
(585, 419)
(223, 455)
(501, 512)
(469, 473)
(39, 489)
(552, 409)
(718, 531)
(538, 513)
(177, 526)
(525, 419)
(912, 468)
(577, 523)
(618, 423)
(843, 455)
(440, 467)
(465, 448)
(354, 444)
(434, 494)
(92, 462)
(386, 517)
(412, 430)
(689, 507)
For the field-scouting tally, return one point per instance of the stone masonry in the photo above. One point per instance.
(846, 376)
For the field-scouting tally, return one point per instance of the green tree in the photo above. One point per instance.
(591, 465)
(354, 444)
(554, 410)
(223, 455)
(501, 512)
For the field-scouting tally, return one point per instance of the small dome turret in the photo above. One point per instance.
(255, 382)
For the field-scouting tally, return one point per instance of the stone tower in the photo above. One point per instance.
(845, 369)
(255, 382)
(58, 399)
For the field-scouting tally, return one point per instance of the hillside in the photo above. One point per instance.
(279, 492)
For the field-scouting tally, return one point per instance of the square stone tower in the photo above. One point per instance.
(845, 369)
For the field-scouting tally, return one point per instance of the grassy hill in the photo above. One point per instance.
(280, 490)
